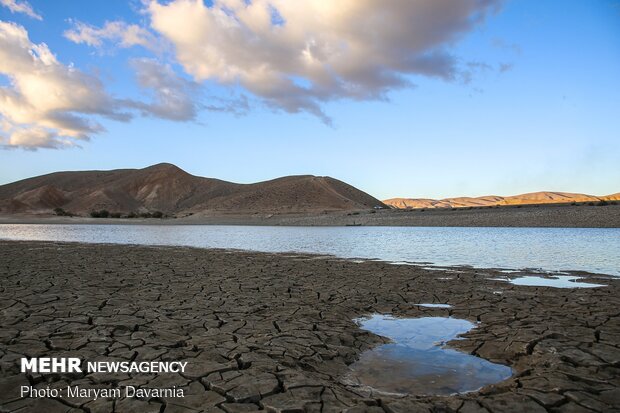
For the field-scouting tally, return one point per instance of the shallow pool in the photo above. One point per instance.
(418, 362)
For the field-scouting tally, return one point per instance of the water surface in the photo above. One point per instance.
(551, 249)
(433, 305)
(558, 281)
(417, 362)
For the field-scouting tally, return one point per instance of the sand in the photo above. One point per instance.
(275, 331)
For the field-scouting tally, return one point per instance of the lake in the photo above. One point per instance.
(595, 250)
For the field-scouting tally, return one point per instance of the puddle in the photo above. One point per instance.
(434, 305)
(416, 362)
(558, 281)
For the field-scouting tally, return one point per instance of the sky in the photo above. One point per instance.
(423, 99)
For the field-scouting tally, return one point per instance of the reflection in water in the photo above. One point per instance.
(417, 362)
(589, 249)
(558, 281)
(431, 305)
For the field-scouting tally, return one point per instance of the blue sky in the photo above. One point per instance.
(532, 103)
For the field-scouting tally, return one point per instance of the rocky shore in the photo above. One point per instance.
(557, 215)
(275, 332)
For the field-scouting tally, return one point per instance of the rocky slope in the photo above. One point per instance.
(169, 189)
(533, 198)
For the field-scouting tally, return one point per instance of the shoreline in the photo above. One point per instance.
(534, 216)
(276, 331)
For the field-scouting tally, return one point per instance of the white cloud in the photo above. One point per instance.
(119, 32)
(174, 96)
(21, 7)
(292, 55)
(47, 104)
(296, 55)
(51, 105)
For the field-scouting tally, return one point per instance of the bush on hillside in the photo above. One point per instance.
(104, 213)
(62, 213)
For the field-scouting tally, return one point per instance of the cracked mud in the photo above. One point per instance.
(275, 332)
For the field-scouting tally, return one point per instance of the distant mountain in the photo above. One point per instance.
(169, 189)
(533, 198)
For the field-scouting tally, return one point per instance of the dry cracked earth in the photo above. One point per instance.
(274, 332)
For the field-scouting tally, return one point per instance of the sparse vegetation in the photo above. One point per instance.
(62, 213)
(104, 213)
(602, 202)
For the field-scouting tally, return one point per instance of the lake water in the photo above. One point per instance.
(548, 249)
(417, 361)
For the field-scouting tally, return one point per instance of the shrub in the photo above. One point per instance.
(157, 214)
(614, 203)
(132, 215)
(115, 215)
(602, 203)
(62, 213)
(104, 213)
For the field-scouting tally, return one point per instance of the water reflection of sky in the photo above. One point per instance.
(558, 281)
(417, 362)
(552, 249)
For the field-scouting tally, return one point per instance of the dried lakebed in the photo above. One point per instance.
(276, 332)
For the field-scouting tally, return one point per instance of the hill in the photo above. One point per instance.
(169, 189)
(533, 198)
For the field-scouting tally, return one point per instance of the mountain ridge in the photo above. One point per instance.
(530, 198)
(168, 188)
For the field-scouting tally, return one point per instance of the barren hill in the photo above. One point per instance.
(533, 198)
(167, 188)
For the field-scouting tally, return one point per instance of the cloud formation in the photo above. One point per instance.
(21, 7)
(296, 55)
(292, 56)
(120, 33)
(174, 96)
(47, 104)
(51, 105)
